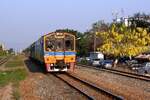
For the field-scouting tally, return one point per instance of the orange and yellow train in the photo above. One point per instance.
(55, 50)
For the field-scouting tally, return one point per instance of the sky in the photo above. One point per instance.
(24, 21)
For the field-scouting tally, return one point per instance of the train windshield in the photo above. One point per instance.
(59, 44)
(54, 44)
(69, 43)
(50, 43)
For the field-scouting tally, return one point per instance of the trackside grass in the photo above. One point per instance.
(13, 76)
(16, 61)
(16, 94)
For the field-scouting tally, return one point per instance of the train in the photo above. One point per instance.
(56, 50)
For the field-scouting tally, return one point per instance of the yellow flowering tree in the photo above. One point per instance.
(123, 41)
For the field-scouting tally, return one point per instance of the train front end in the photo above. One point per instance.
(59, 52)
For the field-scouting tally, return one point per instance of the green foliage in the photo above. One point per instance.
(74, 32)
(3, 53)
(82, 47)
(86, 42)
(99, 26)
(83, 61)
(123, 41)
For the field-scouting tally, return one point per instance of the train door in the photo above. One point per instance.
(70, 51)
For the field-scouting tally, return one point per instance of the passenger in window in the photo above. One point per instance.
(50, 46)
(58, 46)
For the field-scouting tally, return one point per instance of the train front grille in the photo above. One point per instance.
(60, 63)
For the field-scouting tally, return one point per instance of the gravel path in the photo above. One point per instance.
(40, 86)
(128, 87)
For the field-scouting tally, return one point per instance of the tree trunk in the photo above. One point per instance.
(130, 57)
(115, 62)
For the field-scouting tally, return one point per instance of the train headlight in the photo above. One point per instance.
(71, 58)
(59, 34)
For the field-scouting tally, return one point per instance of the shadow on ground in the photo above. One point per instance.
(34, 67)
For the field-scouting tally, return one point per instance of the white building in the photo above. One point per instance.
(2, 47)
(125, 20)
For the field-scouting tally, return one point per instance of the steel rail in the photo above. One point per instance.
(4, 60)
(91, 85)
(123, 73)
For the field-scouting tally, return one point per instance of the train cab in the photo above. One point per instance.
(59, 51)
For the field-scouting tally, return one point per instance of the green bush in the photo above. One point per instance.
(84, 62)
(3, 53)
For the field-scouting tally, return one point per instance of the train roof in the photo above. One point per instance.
(56, 32)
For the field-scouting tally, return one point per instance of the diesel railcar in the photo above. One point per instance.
(55, 50)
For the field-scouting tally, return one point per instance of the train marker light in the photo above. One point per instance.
(59, 34)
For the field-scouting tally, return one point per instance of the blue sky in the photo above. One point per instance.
(24, 21)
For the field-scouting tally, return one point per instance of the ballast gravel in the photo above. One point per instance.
(129, 88)
(40, 86)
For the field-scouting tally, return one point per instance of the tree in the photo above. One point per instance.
(99, 26)
(123, 41)
(143, 15)
(83, 47)
(74, 32)
(141, 20)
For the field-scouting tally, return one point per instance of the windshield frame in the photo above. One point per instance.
(63, 44)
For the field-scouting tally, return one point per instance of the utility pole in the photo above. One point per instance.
(95, 27)
(94, 42)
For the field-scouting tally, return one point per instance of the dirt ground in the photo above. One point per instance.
(6, 92)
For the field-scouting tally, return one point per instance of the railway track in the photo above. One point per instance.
(4, 60)
(90, 90)
(122, 73)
